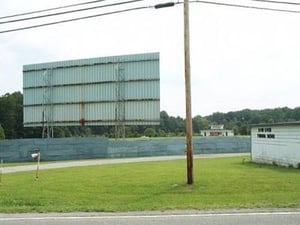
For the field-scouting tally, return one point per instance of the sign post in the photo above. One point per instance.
(37, 156)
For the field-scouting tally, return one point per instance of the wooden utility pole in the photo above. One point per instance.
(187, 66)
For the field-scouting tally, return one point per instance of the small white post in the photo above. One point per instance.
(38, 166)
(37, 157)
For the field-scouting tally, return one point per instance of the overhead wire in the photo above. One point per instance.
(73, 19)
(70, 11)
(277, 2)
(97, 1)
(51, 9)
(139, 8)
(245, 6)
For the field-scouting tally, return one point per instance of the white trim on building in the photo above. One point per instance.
(216, 130)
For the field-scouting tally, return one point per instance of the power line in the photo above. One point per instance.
(144, 7)
(245, 6)
(71, 11)
(277, 2)
(50, 9)
(74, 19)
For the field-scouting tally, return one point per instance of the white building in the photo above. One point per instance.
(277, 144)
(216, 130)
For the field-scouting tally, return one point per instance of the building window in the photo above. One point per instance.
(264, 129)
(268, 129)
(261, 135)
(261, 129)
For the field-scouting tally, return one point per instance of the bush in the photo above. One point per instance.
(150, 132)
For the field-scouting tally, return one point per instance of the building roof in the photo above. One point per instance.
(294, 123)
(217, 127)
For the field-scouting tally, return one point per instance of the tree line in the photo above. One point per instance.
(11, 122)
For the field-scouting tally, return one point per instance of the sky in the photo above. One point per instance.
(240, 57)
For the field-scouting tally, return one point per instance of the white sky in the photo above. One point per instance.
(240, 58)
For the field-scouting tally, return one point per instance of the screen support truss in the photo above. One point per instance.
(120, 103)
(47, 114)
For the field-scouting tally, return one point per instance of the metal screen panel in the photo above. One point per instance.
(97, 91)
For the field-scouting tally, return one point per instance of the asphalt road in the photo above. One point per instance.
(167, 218)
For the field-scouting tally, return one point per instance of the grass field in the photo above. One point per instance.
(219, 183)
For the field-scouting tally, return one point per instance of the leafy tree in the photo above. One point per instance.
(296, 113)
(164, 121)
(2, 134)
(32, 132)
(11, 120)
(200, 123)
(150, 132)
(161, 133)
(59, 132)
(11, 114)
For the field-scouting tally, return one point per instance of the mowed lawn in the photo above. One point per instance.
(219, 183)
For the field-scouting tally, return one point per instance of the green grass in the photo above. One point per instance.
(219, 183)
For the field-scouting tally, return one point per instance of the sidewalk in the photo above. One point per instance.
(94, 162)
